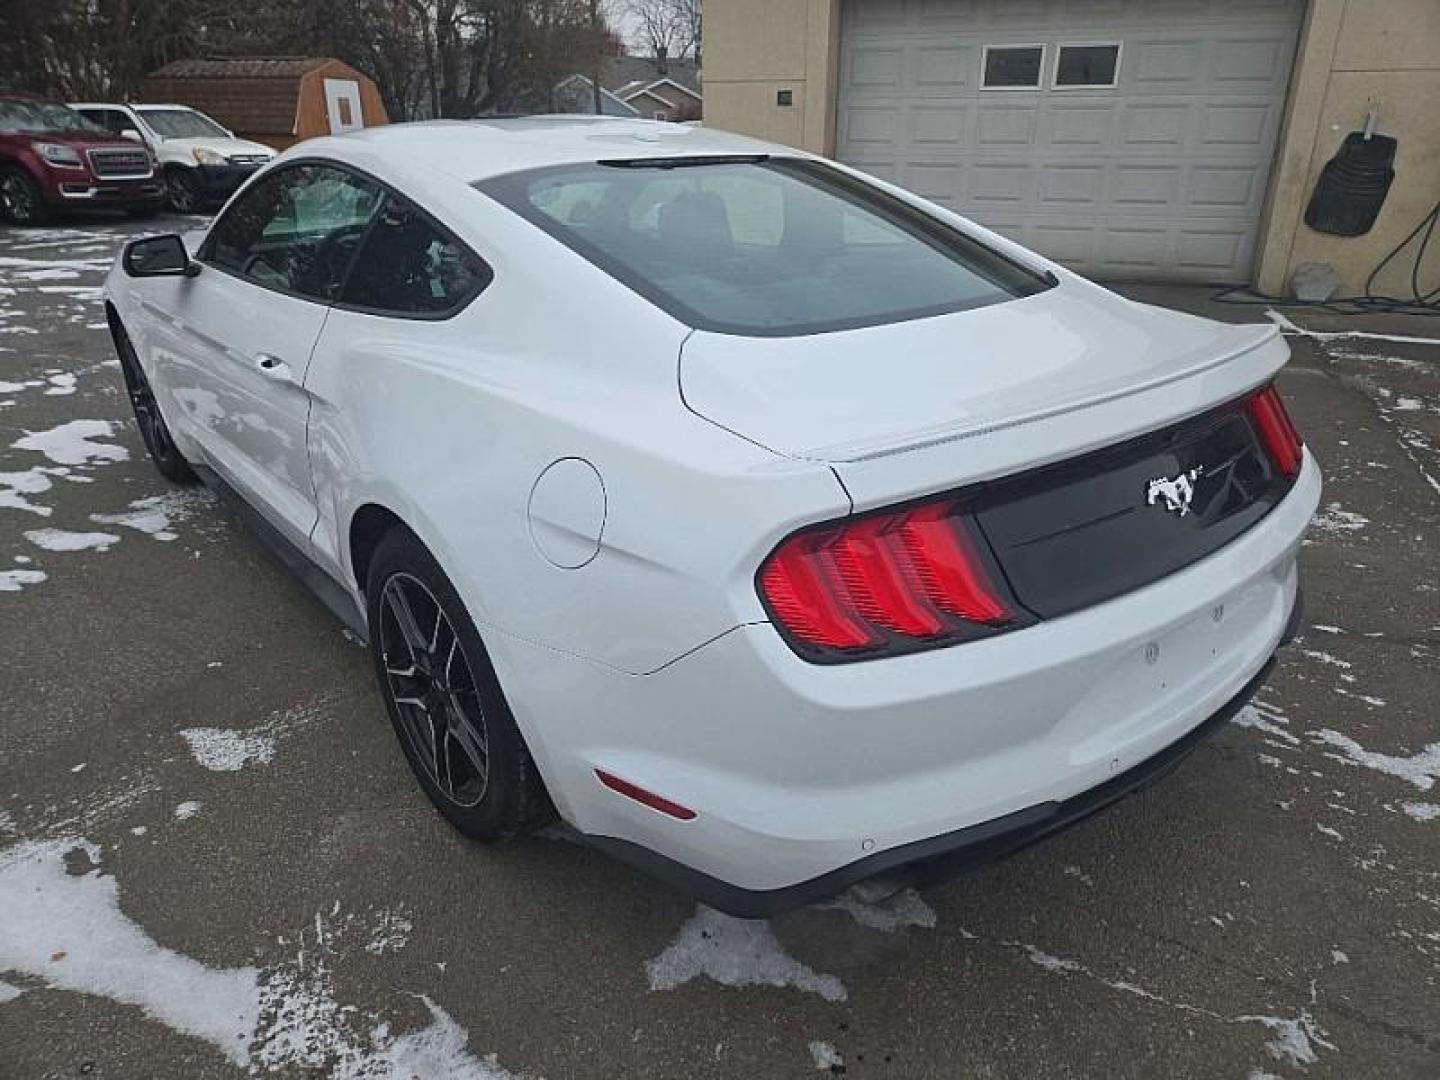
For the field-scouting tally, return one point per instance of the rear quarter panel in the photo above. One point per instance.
(450, 423)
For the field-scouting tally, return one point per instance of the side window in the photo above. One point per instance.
(112, 120)
(410, 267)
(296, 230)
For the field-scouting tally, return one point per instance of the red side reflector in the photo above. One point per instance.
(648, 798)
(1277, 431)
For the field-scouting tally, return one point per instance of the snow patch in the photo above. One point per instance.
(1421, 769)
(826, 1057)
(904, 908)
(61, 384)
(1266, 718)
(1295, 1040)
(1326, 658)
(72, 443)
(187, 809)
(390, 934)
(156, 516)
(15, 580)
(734, 952)
(9, 992)
(63, 540)
(66, 929)
(1288, 327)
(1336, 519)
(223, 750)
(14, 486)
(1421, 811)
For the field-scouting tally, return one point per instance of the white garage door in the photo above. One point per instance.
(1123, 138)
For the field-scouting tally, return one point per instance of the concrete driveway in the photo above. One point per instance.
(214, 862)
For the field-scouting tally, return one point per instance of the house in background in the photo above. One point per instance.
(655, 88)
(276, 100)
(574, 94)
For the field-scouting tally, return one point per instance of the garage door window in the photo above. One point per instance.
(1013, 67)
(1087, 65)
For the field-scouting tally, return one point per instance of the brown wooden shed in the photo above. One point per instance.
(277, 100)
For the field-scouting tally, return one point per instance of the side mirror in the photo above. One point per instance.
(132, 135)
(158, 256)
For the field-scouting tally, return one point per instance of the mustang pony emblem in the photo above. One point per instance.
(1178, 491)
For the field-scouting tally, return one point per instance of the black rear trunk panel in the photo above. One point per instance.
(1083, 531)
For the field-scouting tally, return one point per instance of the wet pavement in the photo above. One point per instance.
(214, 862)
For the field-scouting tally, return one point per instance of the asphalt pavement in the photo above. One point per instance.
(214, 861)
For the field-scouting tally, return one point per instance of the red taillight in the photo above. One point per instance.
(884, 583)
(1278, 433)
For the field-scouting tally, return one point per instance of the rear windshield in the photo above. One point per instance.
(764, 247)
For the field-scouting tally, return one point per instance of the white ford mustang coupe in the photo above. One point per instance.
(776, 527)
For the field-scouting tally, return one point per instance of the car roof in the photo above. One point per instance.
(471, 150)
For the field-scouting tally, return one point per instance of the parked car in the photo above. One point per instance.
(777, 527)
(52, 158)
(202, 161)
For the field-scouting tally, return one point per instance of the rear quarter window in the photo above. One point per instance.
(763, 247)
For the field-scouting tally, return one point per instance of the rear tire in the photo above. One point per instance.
(21, 200)
(153, 430)
(444, 700)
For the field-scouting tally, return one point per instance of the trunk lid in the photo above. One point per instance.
(917, 407)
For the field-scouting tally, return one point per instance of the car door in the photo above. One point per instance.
(242, 331)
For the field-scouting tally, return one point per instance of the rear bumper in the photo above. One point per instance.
(804, 778)
(930, 861)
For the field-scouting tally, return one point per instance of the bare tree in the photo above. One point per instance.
(453, 58)
(657, 26)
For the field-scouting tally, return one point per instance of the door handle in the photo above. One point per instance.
(273, 368)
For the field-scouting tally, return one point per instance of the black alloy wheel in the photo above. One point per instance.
(433, 689)
(444, 699)
(153, 430)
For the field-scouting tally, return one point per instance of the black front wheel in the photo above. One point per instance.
(153, 431)
(182, 191)
(21, 199)
(444, 699)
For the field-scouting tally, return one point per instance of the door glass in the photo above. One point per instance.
(411, 267)
(296, 230)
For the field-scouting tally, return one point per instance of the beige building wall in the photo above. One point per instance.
(754, 49)
(1352, 54)
(1355, 54)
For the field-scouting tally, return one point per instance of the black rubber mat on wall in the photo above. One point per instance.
(1352, 186)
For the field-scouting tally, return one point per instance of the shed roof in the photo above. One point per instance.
(240, 67)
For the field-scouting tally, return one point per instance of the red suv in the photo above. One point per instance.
(51, 158)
